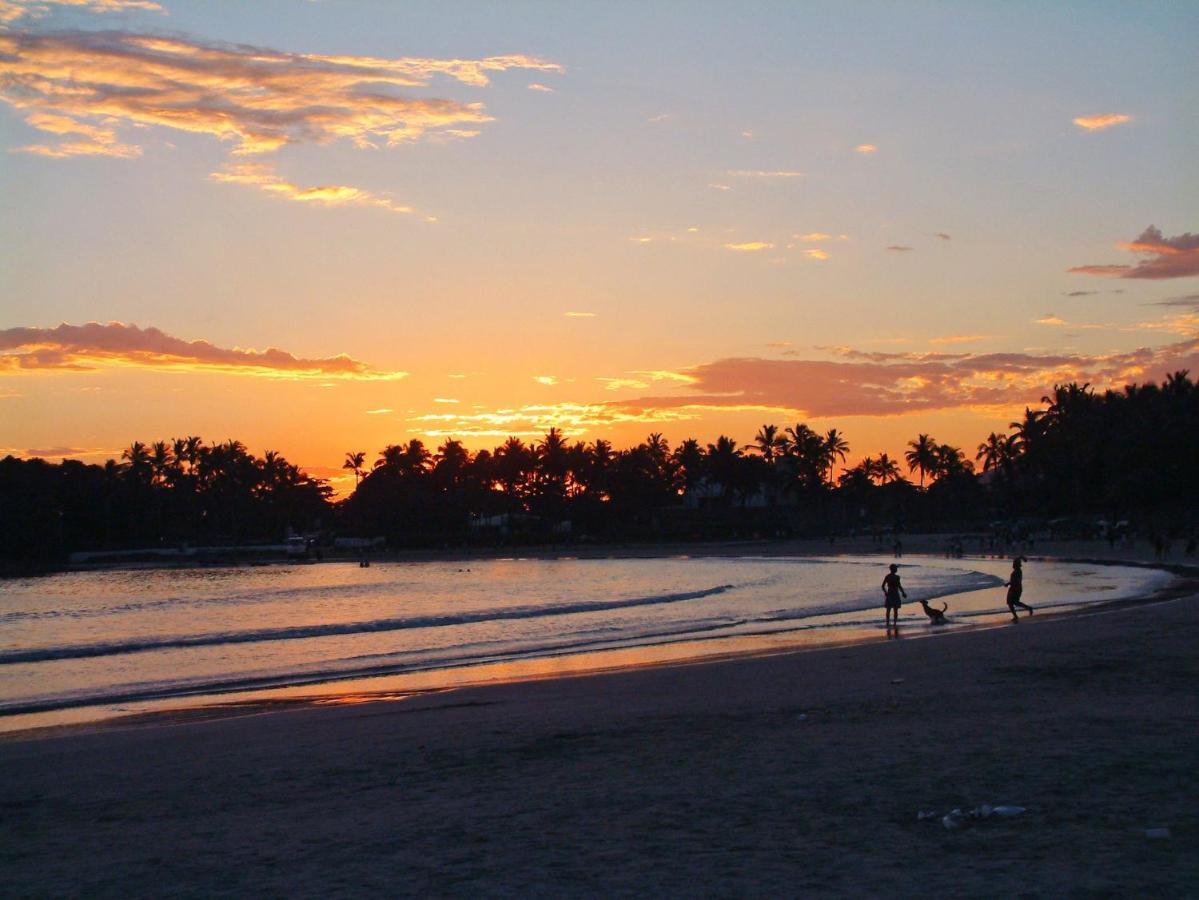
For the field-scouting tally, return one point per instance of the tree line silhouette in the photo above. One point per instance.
(1121, 454)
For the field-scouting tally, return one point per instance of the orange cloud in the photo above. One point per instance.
(535, 419)
(750, 246)
(543, 88)
(82, 348)
(263, 177)
(866, 148)
(97, 141)
(1176, 257)
(816, 254)
(258, 98)
(879, 384)
(1101, 121)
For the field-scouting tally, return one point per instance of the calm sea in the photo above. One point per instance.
(111, 641)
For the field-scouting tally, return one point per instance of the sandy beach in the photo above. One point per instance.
(795, 773)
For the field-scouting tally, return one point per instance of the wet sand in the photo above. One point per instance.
(798, 773)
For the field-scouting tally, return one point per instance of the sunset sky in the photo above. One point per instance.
(330, 226)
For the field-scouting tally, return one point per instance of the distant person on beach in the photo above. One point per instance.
(892, 590)
(1015, 587)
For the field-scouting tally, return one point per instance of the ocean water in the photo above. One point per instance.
(107, 641)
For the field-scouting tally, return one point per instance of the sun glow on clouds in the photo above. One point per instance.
(878, 384)
(750, 246)
(1101, 121)
(534, 420)
(1175, 257)
(865, 148)
(816, 253)
(97, 141)
(258, 98)
(263, 177)
(83, 348)
(579, 315)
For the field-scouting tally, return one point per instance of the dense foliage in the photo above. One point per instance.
(163, 494)
(1121, 454)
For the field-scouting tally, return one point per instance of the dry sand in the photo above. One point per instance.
(793, 774)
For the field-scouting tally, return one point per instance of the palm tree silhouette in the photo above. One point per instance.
(355, 460)
(922, 456)
(835, 447)
(886, 469)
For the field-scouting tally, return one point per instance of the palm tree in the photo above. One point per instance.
(723, 458)
(886, 469)
(951, 461)
(355, 460)
(835, 447)
(138, 457)
(806, 450)
(922, 456)
(688, 459)
(769, 443)
(160, 460)
(995, 452)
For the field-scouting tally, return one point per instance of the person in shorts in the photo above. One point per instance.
(892, 591)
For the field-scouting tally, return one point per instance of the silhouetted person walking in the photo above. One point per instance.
(892, 589)
(1015, 587)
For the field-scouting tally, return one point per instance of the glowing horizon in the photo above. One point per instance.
(328, 238)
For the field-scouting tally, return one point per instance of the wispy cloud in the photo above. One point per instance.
(617, 384)
(816, 253)
(1175, 257)
(547, 380)
(900, 248)
(1187, 300)
(1101, 121)
(533, 420)
(263, 177)
(750, 246)
(258, 98)
(543, 88)
(84, 348)
(95, 140)
(579, 315)
(12, 10)
(959, 338)
(942, 236)
(865, 148)
(381, 411)
(764, 173)
(61, 452)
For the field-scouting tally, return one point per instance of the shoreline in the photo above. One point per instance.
(791, 772)
(390, 687)
(926, 543)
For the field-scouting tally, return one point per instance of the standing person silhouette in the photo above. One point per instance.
(892, 589)
(1015, 587)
